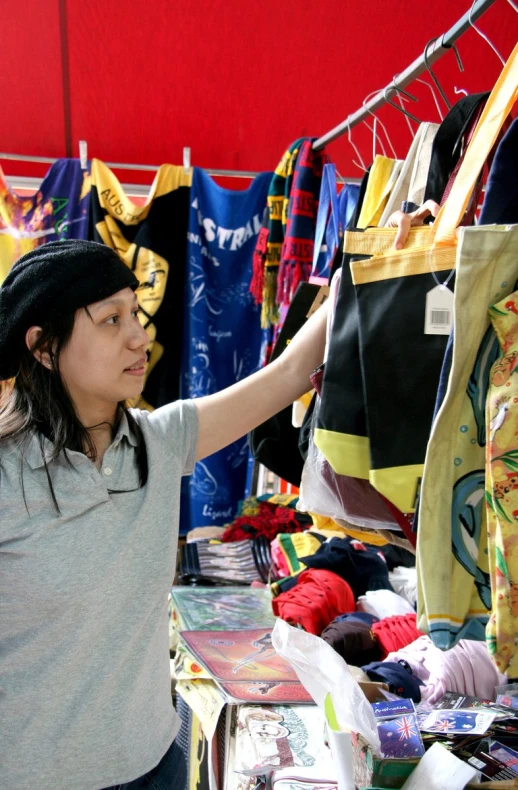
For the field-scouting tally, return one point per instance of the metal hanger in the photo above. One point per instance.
(400, 108)
(376, 119)
(375, 138)
(515, 8)
(349, 137)
(433, 75)
(483, 35)
(436, 102)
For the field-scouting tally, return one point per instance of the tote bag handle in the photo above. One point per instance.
(328, 197)
(498, 106)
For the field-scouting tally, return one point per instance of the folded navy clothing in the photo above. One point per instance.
(358, 617)
(362, 567)
(398, 677)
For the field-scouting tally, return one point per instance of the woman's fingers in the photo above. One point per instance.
(403, 222)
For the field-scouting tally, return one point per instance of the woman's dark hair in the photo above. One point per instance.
(37, 400)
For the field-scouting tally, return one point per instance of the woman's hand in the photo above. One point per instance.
(406, 221)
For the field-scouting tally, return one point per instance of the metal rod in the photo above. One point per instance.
(45, 160)
(441, 45)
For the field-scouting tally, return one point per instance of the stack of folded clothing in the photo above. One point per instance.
(317, 598)
(362, 567)
(465, 669)
(258, 517)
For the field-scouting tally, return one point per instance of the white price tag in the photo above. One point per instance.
(439, 311)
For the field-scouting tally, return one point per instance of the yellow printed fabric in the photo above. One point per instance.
(150, 239)
(502, 488)
(58, 210)
(382, 178)
(454, 593)
(324, 525)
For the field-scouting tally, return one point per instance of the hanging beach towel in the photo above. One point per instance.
(151, 240)
(58, 210)
(223, 230)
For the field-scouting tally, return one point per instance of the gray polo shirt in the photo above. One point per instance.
(85, 698)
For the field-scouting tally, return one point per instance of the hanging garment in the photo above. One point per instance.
(263, 285)
(454, 593)
(382, 178)
(502, 487)
(344, 498)
(352, 222)
(448, 143)
(151, 240)
(223, 229)
(58, 210)
(411, 183)
(299, 239)
(328, 224)
(397, 350)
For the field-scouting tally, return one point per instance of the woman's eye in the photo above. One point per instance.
(114, 319)
(136, 312)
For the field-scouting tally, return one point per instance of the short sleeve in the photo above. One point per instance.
(176, 426)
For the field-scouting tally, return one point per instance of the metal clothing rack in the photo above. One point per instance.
(45, 160)
(135, 190)
(433, 52)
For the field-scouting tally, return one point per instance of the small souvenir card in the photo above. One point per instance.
(457, 722)
(400, 737)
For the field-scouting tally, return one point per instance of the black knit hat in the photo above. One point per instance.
(55, 280)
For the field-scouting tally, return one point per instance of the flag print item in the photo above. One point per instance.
(454, 722)
(400, 737)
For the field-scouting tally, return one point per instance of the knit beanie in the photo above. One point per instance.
(55, 280)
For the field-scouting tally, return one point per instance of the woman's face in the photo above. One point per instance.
(104, 361)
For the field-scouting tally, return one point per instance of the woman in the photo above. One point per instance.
(89, 494)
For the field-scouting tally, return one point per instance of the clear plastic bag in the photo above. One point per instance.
(322, 671)
(348, 499)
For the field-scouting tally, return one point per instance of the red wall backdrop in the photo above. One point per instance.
(235, 80)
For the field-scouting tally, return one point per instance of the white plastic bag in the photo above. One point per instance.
(322, 671)
(342, 498)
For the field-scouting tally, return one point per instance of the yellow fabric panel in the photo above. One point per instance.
(325, 525)
(399, 484)
(347, 454)
(375, 195)
(115, 201)
(403, 263)
(377, 241)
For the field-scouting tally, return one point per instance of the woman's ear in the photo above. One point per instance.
(31, 338)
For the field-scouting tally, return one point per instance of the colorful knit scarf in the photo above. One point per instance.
(267, 256)
(299, 240)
